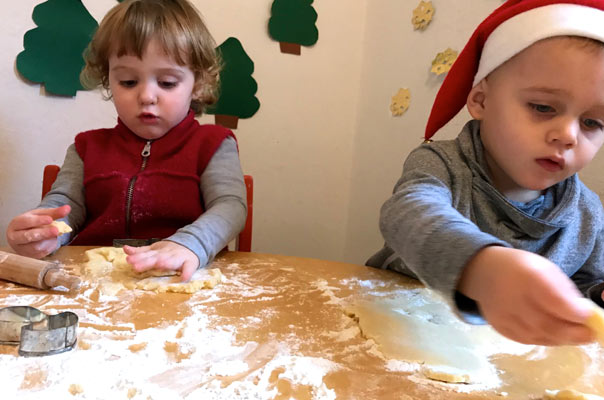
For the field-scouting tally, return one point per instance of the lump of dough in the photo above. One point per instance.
(62, 227)
(569, 394)
(108, 267)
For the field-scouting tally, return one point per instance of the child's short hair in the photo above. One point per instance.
(175, 24)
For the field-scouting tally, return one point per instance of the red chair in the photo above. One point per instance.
(244, 240)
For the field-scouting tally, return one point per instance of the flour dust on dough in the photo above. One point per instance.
(108, 267)
(417, 326)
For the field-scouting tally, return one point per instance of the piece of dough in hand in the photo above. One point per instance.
(596, 322)
(62, 227)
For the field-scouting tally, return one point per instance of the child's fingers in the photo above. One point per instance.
(59, 212)
(562, 300)
(37, 249)
(29, 236)
(143, 261)
(29, 221)
(130, 250)
(188, 269)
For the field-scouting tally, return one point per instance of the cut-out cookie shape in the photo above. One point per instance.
(37, 333)
(400, 102)
(443, 61)
(422, 15)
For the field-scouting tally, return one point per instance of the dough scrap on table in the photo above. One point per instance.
(569, 394)
(445, 374)
(62, 227)
(596, 322)
(108, 267)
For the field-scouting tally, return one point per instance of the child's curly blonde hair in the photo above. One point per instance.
(175, 24)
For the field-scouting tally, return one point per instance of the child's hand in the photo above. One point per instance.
(163, 255)
(525, 297)
(30, 234)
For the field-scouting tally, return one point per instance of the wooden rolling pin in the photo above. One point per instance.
(36, 273)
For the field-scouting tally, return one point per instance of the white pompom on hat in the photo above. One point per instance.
(507, 31)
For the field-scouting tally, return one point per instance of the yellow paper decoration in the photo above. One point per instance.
(400, 102)
(422, 15)
(443, 61)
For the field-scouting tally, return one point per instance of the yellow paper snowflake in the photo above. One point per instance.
(400, 102)
(422, 15)
(443, 61)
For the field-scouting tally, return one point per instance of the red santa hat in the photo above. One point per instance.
(511, 28)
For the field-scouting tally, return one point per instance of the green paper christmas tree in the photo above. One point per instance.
(292, 24)
(53, 50)
(237, 87)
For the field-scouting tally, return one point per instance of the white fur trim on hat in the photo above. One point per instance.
(522, 30)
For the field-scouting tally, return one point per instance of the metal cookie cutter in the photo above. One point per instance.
(36, 333)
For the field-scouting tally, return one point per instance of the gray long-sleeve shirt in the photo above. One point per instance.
(222, 189)
(444, 209)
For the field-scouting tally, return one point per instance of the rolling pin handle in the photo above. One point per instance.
(56, 277)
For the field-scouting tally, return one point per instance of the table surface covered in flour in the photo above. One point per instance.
(275, 329)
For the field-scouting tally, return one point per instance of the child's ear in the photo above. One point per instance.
(476, 99)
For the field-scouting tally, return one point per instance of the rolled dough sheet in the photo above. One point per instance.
(108, 267)
(418, 326)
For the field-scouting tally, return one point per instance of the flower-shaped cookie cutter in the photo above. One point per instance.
(37, 333)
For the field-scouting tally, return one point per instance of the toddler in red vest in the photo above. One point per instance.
(158, 173)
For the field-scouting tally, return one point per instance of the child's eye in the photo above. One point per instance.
(128, 83)
(542, 108)
(167, 84)
(592, 124)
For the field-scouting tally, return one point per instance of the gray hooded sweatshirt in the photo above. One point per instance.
(444, 209)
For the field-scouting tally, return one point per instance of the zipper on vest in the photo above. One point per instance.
(145, 154)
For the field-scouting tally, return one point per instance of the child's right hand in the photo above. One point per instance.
(526, 297)
(30, 234)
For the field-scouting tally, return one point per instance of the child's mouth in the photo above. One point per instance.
(148, 117)
(550, 164)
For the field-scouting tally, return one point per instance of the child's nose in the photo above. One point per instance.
(565, 134)
(147, 94)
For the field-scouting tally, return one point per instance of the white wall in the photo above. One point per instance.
(323, 148)
(396, 56)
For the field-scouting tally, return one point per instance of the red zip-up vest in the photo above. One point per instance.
(130, 195)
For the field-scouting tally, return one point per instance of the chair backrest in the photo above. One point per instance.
(244, 240)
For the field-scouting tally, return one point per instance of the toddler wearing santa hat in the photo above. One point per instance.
(497, 220)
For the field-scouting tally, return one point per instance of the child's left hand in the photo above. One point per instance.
(163, 255)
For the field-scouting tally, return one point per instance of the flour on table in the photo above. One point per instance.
(108, 267)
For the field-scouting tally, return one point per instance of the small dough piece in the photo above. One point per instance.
(596, 322)
(569, 394)
(75, 389)
(444, 373)
(62, 227)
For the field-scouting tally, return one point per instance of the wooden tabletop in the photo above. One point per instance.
(275, 329)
